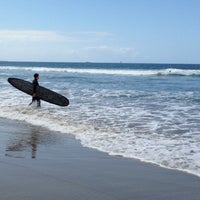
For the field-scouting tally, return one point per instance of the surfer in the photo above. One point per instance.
(35, 85)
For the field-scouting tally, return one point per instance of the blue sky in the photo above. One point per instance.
(155, 31)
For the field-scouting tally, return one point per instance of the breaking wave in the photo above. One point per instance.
(128, 72)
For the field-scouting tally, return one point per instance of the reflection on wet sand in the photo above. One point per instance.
(27, 141)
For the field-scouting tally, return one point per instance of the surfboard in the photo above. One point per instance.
(42, 92)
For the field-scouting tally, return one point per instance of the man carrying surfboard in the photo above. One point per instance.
(38, 92)
(35, 85)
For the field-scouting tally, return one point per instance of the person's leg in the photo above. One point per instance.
(38, 102)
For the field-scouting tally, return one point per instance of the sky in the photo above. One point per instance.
(129, 31)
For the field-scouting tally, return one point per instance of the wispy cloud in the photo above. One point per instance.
(61, 46)
(17, 36)
(120, 50)
(116, 53)
(42, 35)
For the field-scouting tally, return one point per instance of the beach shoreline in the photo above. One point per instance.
(36, 163)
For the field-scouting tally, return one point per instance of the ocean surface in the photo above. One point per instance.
(149, 112)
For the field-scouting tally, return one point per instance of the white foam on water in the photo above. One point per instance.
(130, 72)
(143, 135)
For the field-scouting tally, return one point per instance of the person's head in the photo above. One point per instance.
(36, 76)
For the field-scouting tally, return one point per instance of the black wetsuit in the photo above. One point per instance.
(35, 85)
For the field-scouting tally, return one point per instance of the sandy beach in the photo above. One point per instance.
(36, 163)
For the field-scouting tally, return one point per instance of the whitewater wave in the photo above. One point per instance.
(128, 72)
(167, 154)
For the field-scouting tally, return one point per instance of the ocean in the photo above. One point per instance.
(149, 112)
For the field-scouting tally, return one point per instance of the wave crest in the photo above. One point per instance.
(128, 72)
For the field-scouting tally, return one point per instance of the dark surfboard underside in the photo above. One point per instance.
(42, 92)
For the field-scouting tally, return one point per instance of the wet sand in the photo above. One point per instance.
(36, 163)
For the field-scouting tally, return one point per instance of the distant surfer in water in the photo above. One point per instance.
(35, 85)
